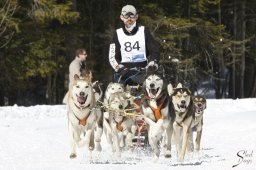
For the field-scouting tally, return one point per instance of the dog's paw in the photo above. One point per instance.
(98, 147)
(168, 154)
(180, 159)
(91, 148)
(118, 156)
(72, 156)
(156, 158)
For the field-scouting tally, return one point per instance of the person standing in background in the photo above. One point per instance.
(77, 66)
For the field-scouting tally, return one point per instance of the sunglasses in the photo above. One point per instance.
(132, 16)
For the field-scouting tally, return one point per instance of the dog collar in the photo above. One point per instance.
(157, 111)
(81, 108)
(160, 95)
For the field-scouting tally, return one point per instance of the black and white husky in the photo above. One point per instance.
(156, 111)
(182, 102)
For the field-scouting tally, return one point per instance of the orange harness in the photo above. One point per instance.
(83, 121)
(119, 126)
(157, 111)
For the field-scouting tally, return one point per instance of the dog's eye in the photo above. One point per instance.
(86, 87)
(149, 79)
(77, 86)
(157, 79)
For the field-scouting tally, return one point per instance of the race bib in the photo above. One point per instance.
(132, 47)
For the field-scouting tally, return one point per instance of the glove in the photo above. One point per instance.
(152, 64)
(122, 71)
(119, 67)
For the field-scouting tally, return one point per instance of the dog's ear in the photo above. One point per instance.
(193, 98)
(151, 70)
(204, 102)
(179, 86)
(76, 77)
(128, 88)
(85, 73)
(109, 85)
(170, 89)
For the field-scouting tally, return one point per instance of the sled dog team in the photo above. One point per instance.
(172, 112)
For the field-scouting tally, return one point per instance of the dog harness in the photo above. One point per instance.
(83, 121)
(157, 111)
(119, 126)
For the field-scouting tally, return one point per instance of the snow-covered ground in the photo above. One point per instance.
(36, 137)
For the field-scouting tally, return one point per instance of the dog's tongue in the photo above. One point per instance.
(81, 99)
(152, 93)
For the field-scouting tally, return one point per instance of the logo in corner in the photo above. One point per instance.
(244, 157)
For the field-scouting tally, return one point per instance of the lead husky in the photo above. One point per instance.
(156, 111)
(183, 105)
(84, 117)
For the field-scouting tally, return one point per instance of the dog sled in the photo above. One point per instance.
(135, 81)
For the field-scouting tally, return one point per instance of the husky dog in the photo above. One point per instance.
(84, 117)
(156, 112)
(118, 124)
(183, 106)
(84, 72)
(197, 123)
(113, 88)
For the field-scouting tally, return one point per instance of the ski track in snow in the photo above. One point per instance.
(37, 137)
